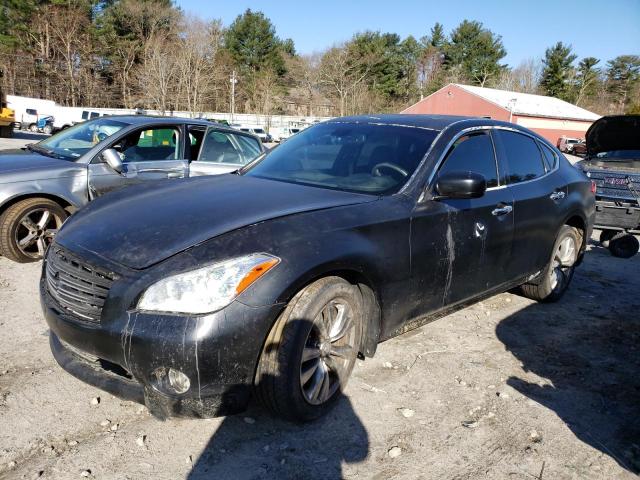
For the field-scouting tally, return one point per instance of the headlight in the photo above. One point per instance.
(206, 289)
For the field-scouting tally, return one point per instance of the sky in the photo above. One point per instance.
(602, 29)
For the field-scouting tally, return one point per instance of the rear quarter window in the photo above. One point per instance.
(549, 156)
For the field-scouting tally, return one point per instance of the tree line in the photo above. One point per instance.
(150, 54)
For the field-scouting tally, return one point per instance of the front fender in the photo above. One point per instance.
(71, 189)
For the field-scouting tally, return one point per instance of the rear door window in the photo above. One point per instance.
(227, 147)
(473, 153)
(524, 160)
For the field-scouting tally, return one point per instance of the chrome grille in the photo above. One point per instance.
(616, 185)
(78, 288)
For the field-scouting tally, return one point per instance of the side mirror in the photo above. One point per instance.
(112, 158)
(460, 185)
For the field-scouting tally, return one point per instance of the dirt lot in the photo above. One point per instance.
(505, 389)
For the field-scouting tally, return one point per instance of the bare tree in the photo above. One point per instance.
(341, 73)
(157, 74)
(196, 66)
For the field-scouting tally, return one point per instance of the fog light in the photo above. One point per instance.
(171, 381)
(178, 381)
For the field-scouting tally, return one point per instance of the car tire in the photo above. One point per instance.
(556, 277)
(13, 228)
(606, 236)
(33, 128)
(310, 351)
(47, 129)
(623, 245)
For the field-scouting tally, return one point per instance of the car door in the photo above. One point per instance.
(224, 151)
(538, 193)
(152, 153)
(461, 247)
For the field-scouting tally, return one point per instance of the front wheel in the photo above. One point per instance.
(311, 350)
(557, 275)
(28, 227)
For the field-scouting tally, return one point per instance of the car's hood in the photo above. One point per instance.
(140, 226)
(619, 132)
(18, 160)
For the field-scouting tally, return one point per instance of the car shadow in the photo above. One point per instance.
(256, 444)
(587, 348)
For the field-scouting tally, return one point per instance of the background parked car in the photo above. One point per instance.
(43, 183)
(566, 144)
(579, 149)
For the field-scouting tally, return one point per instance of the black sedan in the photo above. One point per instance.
(273, 279)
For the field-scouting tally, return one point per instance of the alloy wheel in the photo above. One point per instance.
(36, 230)
(563, 261)
(327, 352)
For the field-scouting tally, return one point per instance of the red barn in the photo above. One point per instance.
(550, 117)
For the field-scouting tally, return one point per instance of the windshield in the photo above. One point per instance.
(75, 141)
(376, 159)
(258, 130)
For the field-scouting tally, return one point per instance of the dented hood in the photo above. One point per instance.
(141, 226)
(20, 160)
(619, 132)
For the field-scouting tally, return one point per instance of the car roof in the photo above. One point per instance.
(138, 119)
(433, 122)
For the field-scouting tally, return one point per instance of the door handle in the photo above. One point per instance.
(497, 212)
(557, 196)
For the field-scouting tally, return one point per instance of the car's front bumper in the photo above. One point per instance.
(122, 355)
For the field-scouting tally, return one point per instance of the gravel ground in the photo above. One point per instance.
(504, 389)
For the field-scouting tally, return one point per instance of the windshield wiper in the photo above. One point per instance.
(34, 147)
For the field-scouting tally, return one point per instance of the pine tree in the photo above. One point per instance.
(558, 71)
(477, 51)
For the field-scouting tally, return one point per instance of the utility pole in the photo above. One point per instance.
(233, 81)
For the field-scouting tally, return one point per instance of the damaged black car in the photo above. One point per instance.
(613, 163)
(272, 280)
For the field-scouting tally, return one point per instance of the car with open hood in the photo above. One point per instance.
(43, 183)
(613, 162)
(273, 279)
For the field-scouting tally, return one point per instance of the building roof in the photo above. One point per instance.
(531, 105)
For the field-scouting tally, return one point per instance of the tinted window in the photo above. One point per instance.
(473, 153)
(151, 144)
(225, 147)
(550, 158)
(31, 111)
(523, 157)
(353, 157)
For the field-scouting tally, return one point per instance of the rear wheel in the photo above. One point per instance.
(311, 350)
(556, 277)
(28, 227)
(623, 245)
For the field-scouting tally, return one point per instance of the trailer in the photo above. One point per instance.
(29, 110)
